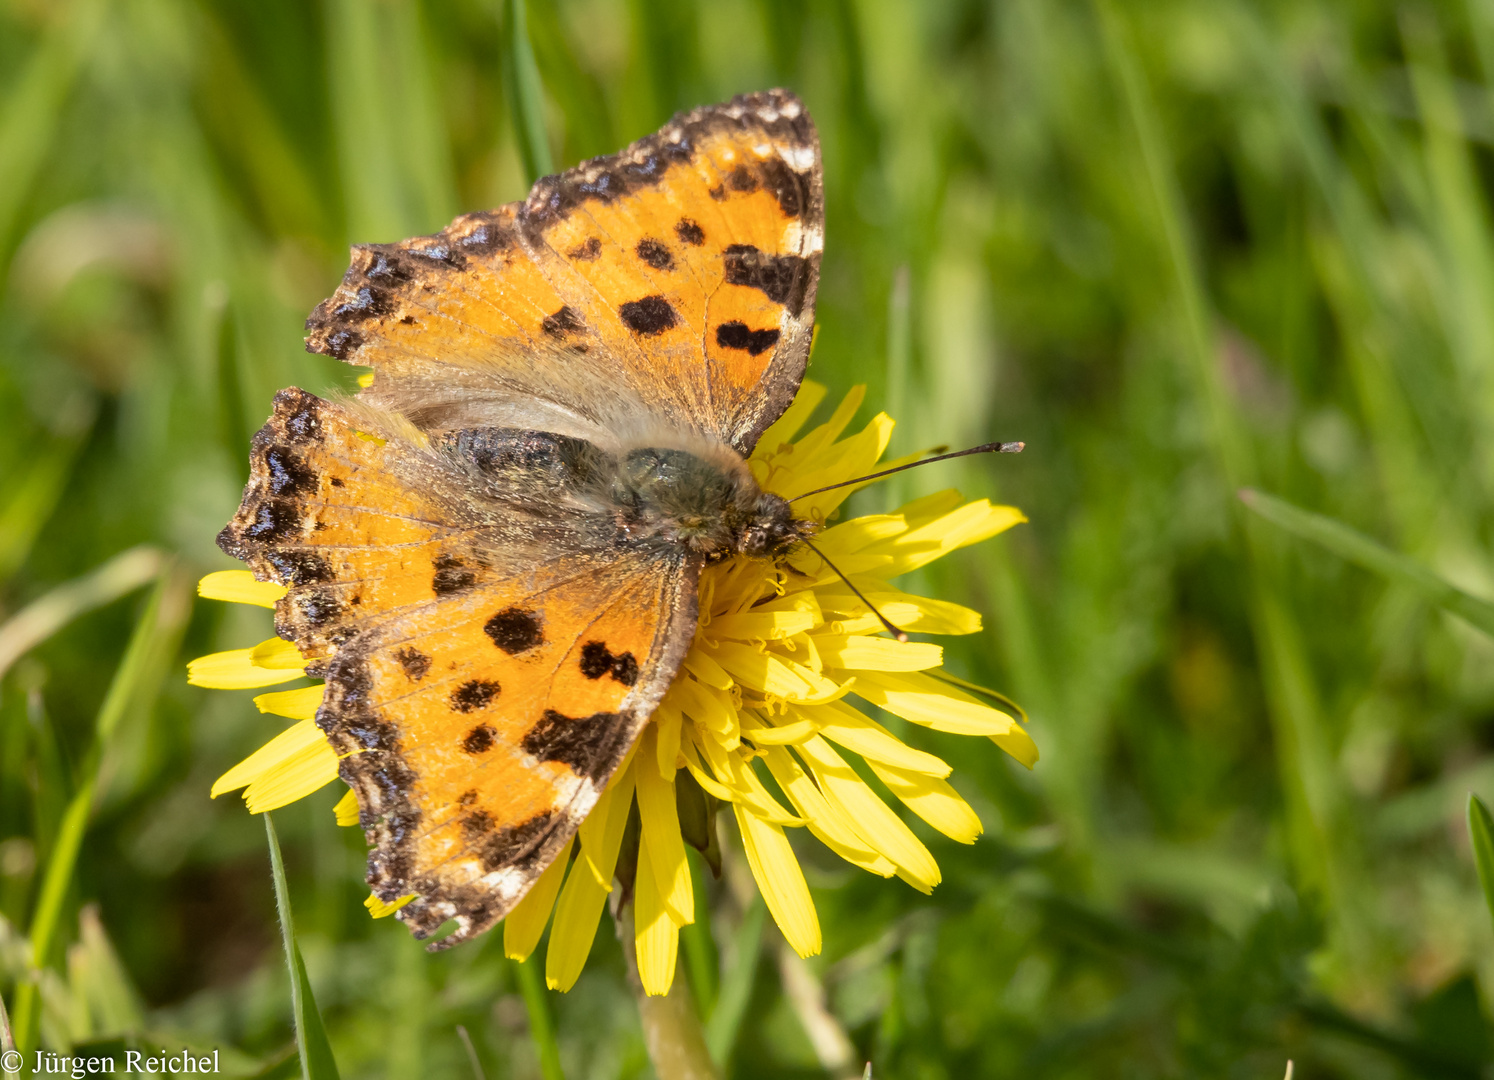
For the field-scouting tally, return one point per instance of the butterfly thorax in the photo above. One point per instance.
(708, 504)
(703, 500)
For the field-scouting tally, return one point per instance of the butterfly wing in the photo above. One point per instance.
(480, 691)
(672, 283)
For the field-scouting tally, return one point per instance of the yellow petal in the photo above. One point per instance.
(794, 417)
(656, 935)
(812, 566)
(239, 587)
(907, 612)
(780, 881)
(293, 779)
(661, 835)
(299, 704)
(782, 734)
(526, 922)
(235, 670)
(970, 524)
(768, 673)
(1019, 745)
(279, 654)
(702, 777)
(933, 800)
(853, 457)
(856, 652)
(746, 789)
(860, 734)
(707, 706)
(873, 819)
(849, 537)
(379, 910)
(668, 721)
(929, 508)
(824, 435)
(707, 670)
(826, 821)
(287, 746)
(347, 808)
(923, 700)
(758, 625)
(581, 898)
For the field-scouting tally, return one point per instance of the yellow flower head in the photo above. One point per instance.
(765, 693)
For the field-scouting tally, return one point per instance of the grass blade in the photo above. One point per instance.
(7, 1040)
(1481, 833)
(34, 498)
(736, 987)
(317, 1062)
(526, 96)
(130, 674)
(700, 948)
(42, 618)
(541, 1027)
(1355, 547)
(472, 1058)
(29, 121)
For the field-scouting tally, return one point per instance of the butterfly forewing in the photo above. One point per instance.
(674, 281)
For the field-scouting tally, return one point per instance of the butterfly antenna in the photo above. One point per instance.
(893, 630)
(983, 448)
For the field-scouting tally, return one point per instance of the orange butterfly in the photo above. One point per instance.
(492, 551)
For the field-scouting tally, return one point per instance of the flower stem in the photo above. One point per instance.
(541, 1027)
(671, 1027)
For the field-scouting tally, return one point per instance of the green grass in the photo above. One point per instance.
(1178, 247)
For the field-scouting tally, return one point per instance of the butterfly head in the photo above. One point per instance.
(772, 530)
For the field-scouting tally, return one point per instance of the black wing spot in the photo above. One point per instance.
(506, 846)
(289, 475)
(302, 420)
(563, 322)
(588, 745)
(655, 254)
(300, 567)
(597, 660)
(335, 481)
(514, 630)
(781, 278)
(649, 316)
(741, 179)
(788, 187)
(450, 576)
(274, 520)
(318, 606)
(587, 252)
(343, 343)
(736, 335)
(473, 695)
(477, 824)
(414, 662)
(479, 740)
(689, 232)
(468, 797)
(718, 192)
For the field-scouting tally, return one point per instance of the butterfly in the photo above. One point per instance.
(492, 551)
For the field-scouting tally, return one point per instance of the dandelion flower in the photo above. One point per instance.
(763, 715)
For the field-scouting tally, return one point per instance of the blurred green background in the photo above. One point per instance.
(1178, 246)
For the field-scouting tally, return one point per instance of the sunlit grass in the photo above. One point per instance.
(1177, 248)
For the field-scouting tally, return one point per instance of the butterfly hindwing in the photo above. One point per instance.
(479, 704)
